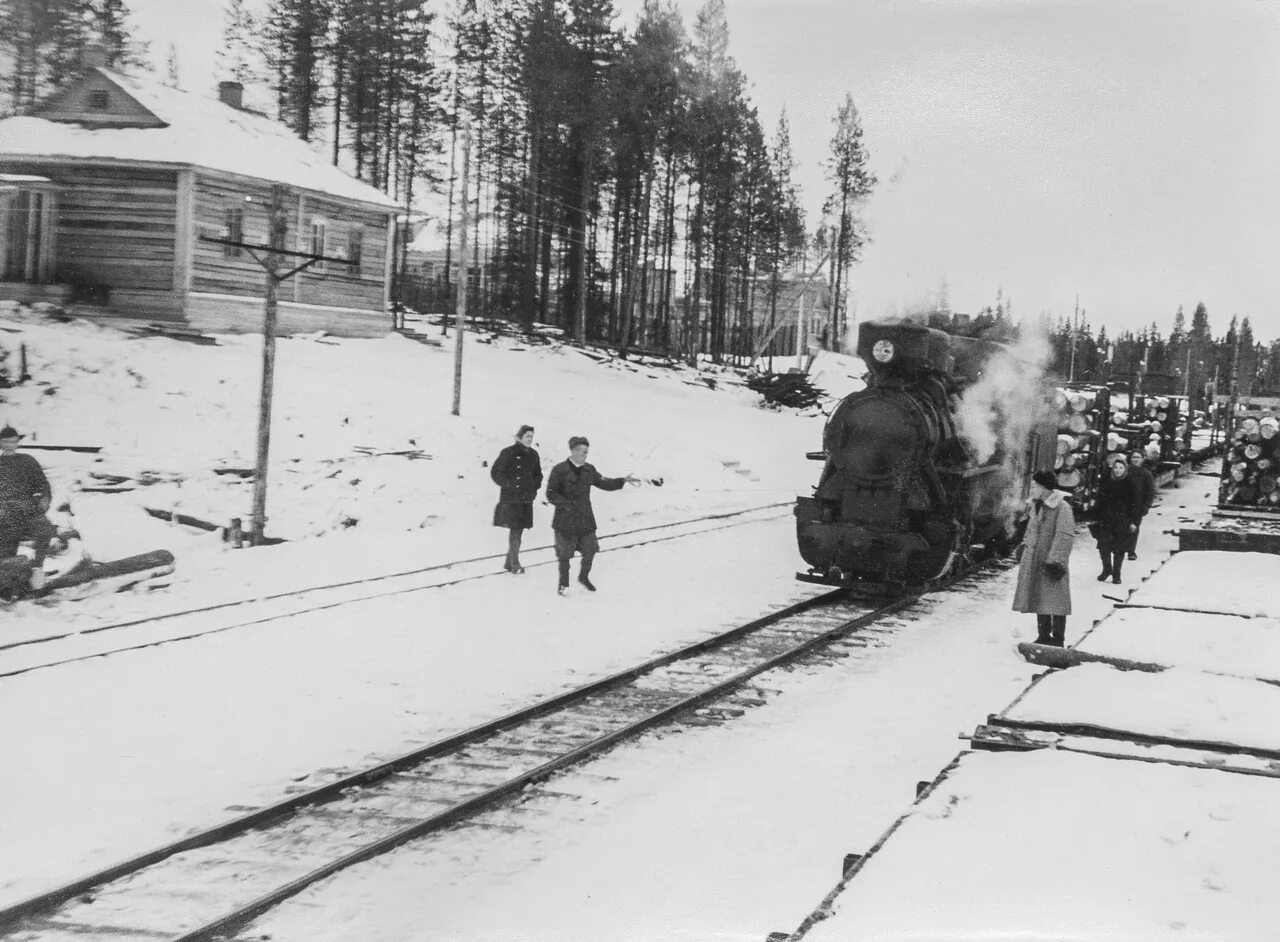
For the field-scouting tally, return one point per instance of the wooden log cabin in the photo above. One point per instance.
(108, 186)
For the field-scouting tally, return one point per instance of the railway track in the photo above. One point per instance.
(24, 656)
(208, 885)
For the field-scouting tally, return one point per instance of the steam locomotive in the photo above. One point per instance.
(903, 499)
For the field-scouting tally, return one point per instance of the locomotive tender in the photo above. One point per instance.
(902, 499)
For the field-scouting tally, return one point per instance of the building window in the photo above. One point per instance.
(319, 240)
(98, 100)
(232, 230)
(355, 250)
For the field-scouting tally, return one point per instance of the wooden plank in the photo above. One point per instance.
(1125, 735)
(998, 739)
(184, 236)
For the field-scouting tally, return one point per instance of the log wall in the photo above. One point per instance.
(215, 272)
(242, 314)
(115, 230)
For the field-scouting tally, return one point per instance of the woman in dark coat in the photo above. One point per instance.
(1119, 512)
(518, 471)
(1044, 573)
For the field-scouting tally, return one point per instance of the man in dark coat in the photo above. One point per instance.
(1144, 483)
(1044, 570)
(1117, 525)
(574, 523)
(24, 500)
(518, 472)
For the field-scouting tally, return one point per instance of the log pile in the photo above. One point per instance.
(1166, 427)
(1250, 467)
(1083, 415)
(793, 389)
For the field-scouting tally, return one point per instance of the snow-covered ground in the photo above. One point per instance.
(1057, 845)
(1072, 848)
(173, 413)
(155, 743)
(1225, 582)
(723, 833)
(1226, 644)
(1181, 703)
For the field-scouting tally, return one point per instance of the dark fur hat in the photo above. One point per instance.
(1046, 479)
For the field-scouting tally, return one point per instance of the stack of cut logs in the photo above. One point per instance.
(1166, 438)
(1155, 427)
(1249, 469)
(1082, 424)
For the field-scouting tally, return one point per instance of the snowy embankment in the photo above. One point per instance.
(369, 472)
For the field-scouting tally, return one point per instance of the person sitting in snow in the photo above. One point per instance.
(1044, 584)
(518, 472)
(24, 499)
(574, 523)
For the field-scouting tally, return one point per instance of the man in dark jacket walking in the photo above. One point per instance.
(574, 523)
(1144, 485)
(24, 500)
(518, 472)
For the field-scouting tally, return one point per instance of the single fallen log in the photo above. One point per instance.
(1052, 656)
(85, 449)
(146, 565)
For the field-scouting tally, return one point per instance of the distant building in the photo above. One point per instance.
(795, 295)
(108, 185)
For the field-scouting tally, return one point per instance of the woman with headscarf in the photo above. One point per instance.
(518, 472)
(1044, 583)
(1120, 511)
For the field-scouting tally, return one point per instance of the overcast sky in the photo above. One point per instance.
(1122, 150)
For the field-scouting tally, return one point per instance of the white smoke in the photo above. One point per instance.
(998, 412)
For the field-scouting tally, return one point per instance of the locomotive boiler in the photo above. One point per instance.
(903, 498)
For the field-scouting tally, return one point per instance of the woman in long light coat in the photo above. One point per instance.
(1044, 575)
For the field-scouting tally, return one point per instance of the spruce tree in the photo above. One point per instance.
(853, 183)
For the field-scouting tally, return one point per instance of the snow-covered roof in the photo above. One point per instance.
(200, 131)
(10, 181)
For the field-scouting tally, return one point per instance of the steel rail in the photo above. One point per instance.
(250, 911)
(40, 903)
(435, 567)
(324, 606)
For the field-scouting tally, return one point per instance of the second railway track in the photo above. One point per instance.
(208, 885)
(40, 653)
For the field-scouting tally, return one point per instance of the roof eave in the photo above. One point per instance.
(389, 207)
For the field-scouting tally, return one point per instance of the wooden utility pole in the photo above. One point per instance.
(278, 226)
(802, 339)
(460, 326)
(271, 257)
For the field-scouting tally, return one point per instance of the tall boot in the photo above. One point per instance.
(1105, 555)
(1058, 635)
(1044, 629)
(584, 572)
(514, 535)
(564, 573)
(1117, 560)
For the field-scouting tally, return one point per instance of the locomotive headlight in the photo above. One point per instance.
(883, 351)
